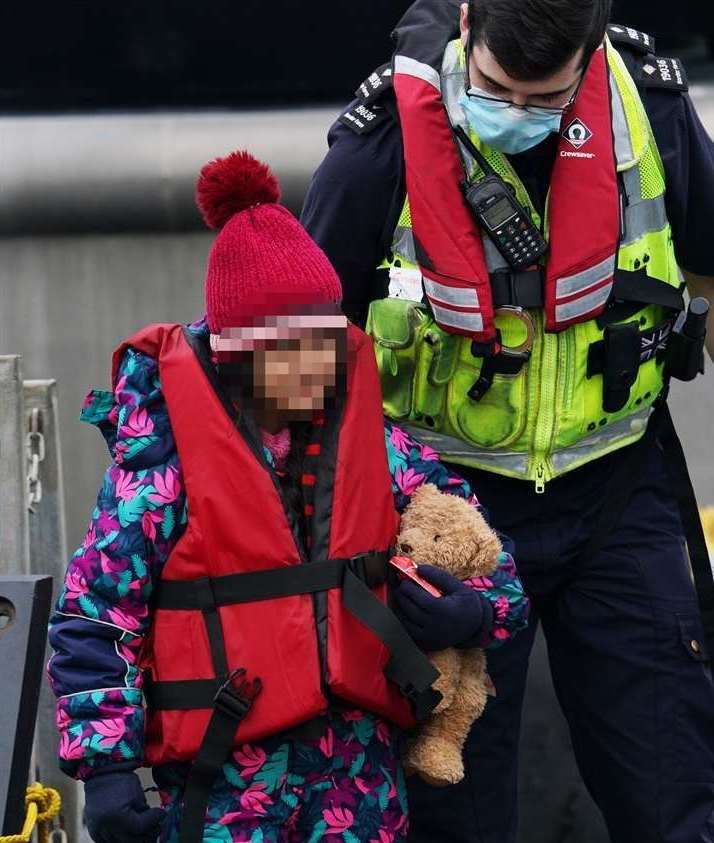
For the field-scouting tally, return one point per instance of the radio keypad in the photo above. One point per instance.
(518, 242)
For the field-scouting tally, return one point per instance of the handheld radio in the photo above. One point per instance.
(500, 214)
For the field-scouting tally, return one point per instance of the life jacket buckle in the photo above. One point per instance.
(234, 701)
(369, 567)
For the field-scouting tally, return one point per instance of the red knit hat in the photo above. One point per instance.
(262, 261)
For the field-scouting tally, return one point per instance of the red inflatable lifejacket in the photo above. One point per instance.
(584, 213)
(239, 592)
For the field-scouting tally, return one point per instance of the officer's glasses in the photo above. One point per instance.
(529, 109)
(495, 101)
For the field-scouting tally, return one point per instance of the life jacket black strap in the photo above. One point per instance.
(206, 603)
(258, 585)
(180, 695)
(230, 705)
(513, 288)
(408, 667)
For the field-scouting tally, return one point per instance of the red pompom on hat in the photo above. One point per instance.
(262, 261)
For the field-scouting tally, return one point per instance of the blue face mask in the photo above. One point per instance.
(508, 129)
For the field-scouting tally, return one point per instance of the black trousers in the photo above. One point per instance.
(628, 660)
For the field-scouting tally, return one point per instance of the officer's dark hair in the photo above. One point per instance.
(532, 39)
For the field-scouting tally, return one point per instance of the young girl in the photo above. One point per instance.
(226, 621)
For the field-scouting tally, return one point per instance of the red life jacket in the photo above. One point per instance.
(584, 200)
(238, 590)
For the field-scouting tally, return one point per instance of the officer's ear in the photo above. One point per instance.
(464, 23)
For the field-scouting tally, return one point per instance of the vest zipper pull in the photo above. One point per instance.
(540, 479)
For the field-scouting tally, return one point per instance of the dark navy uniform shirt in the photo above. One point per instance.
(358, 192)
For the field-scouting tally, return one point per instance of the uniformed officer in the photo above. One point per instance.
(542, 375)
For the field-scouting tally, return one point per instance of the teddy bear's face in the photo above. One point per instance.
(444, 530)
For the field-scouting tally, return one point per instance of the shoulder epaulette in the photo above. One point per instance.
(632, 38)
(668, 74)
(363, 119)
(375, 85)
(367, 114)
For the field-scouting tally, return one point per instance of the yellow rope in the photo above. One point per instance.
(42, 804)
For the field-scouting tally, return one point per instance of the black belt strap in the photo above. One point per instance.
(511, 288)
(661, 433)
(230, 706)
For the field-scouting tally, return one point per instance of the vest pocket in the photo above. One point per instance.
(393, 325)
(437, 359)
(499, 418)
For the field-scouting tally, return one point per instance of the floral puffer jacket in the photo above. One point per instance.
(103, 611)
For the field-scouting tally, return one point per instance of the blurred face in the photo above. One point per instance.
(295, 360)
(297, 375)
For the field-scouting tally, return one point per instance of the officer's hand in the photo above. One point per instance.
(436, 623)
(116, 809)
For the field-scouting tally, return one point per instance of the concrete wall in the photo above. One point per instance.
(65, 302)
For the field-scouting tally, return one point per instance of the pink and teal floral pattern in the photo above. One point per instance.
(347, 786)
(105, 726)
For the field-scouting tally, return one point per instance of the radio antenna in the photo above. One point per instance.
(474, 152)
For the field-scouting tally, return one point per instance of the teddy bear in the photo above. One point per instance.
(447, 531)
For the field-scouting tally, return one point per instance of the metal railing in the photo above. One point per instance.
(33, 541)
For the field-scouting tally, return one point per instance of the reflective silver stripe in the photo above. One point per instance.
(452, 84)
(403, 244)
(583, 281)
(632, 182)
(620, 433)
(616, 435)
(457, 318)
(458, 296)
(644, 217)
(456, 450)
(583, 305)
(641, 215)
(624, 152)
(412, 67)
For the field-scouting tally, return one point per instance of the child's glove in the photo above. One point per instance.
(435, 623)
(116, 810)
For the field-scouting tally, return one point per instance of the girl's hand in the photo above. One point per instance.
(116, 810)
(435, 623)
